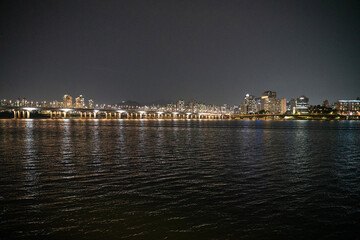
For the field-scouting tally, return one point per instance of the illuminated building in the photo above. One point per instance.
(283, 106)
(17, 102)
(80, 102)
(67, 101)
(348, 107)
(193, 106)
(24, 102)
(249, 105)
(180, 105)
(292, 106)
(91, 103)
(302, 104)
(268, 101)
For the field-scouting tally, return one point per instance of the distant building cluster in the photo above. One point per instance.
(267, 103)
(67, 102)
(189, 106)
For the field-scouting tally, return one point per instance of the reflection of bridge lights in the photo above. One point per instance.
(66, 110)
(30, 109)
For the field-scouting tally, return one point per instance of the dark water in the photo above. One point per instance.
(140, 179)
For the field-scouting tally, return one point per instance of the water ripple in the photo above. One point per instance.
(168, 179)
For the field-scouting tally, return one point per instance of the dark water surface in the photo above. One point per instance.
(179, 179)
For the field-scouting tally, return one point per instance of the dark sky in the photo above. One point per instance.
(213, 51)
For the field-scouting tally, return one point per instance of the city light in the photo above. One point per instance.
(266, 105)
(30, 109)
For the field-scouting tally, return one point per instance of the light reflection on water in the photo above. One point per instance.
(179, 179)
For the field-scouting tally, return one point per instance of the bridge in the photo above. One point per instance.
(111, 113)
(87, 113)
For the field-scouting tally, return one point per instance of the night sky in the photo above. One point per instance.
(212, 51)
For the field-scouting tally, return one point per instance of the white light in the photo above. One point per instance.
(121, 111)
(66, 110)
(30, 109)
(175, 113)
(188, 113)
(159, 112)
(96, 111)
(142, 112)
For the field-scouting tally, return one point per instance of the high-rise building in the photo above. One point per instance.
(224, 108)
(17, 102)
(348, 107)
(269, 94)
(67, 101)
(258, 104)
(80, 102)
(249, 104)
(180, 105)
(24, 102)
(193, 106)
(91, 103)
(302, 104)
(268, 101)
(293, 106)
(283, 106)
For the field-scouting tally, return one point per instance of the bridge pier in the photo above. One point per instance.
(21, 114)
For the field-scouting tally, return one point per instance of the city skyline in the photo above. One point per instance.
(212, 51)
(267, 103)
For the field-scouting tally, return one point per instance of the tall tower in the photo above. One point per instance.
(80, 102)
(67, 101)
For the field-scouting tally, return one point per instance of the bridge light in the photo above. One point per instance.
(95, 111)
(121, 111)
(65, 109)
(142, 112)
(175, 113)
(159, 112)
(30, 109)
